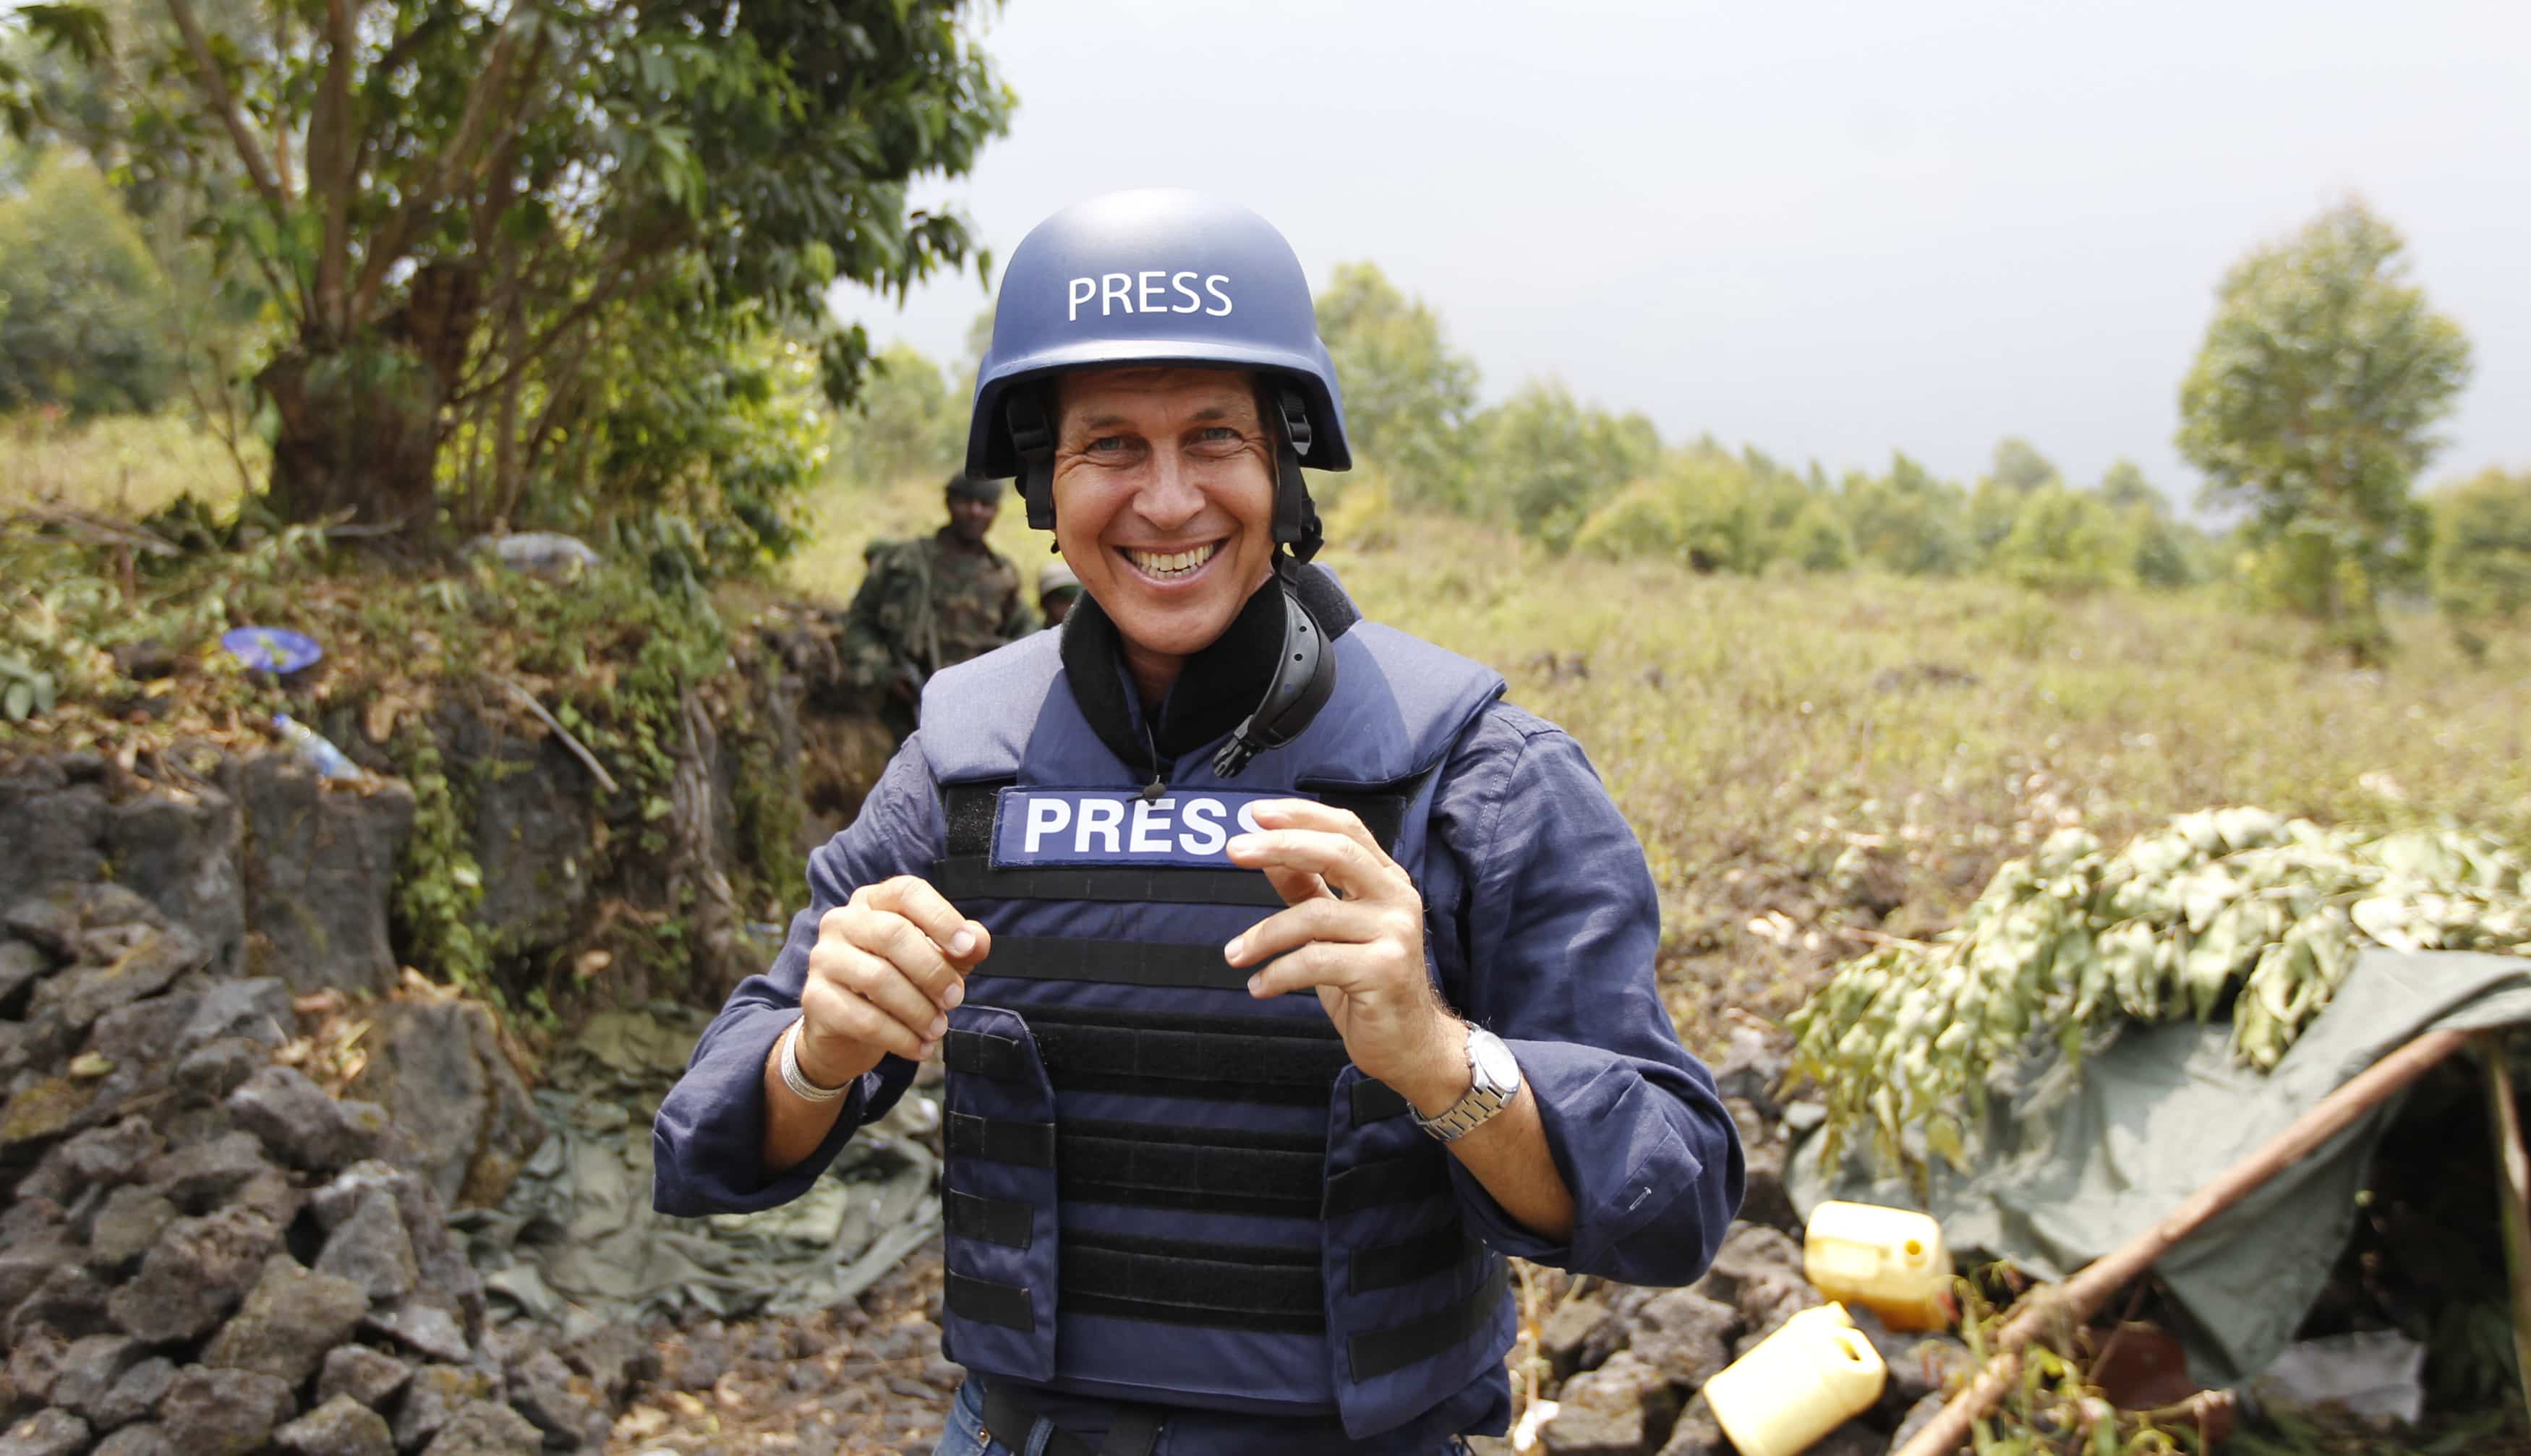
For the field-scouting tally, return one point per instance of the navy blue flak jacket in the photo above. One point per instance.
(1555, 918)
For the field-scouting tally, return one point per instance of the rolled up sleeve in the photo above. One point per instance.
(707, 1143)
(1559, 925)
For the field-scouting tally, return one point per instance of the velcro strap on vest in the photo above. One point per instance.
(1228, 1171)
(1004, 1221)
(1182, 1281)
(1274, 1061)
(1375, 1353)
(1196, 966)
(1031, 1145)
(987, 1303)
(1395, 1180)
(1386, 1266)
(966, 817)
(972, 877)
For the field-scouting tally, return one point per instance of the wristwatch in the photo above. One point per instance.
(1494, 1080)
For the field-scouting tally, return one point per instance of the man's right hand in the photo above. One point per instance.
(887, 968)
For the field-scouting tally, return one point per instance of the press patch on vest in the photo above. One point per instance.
(1046, 827)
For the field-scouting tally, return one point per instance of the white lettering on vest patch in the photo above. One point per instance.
(1186, 829)
(1148, 291)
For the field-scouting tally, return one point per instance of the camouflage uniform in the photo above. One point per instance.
(926, 604)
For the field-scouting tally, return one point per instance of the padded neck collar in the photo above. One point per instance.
(1218, 685)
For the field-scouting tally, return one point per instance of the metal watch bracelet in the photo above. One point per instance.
(1493, 1082)
(796, 1080)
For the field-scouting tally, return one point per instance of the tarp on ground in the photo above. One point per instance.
(2076, 1163)
(577, 1242)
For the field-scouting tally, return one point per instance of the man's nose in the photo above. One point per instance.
(1170, 497)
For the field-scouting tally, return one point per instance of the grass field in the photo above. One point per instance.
(124, 466)
(1812, 762)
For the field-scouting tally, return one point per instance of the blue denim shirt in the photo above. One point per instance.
(1559, 924)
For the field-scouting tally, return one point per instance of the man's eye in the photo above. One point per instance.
(1218, 434)
(1109, 442)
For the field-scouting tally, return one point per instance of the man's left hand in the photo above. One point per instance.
(1353, 932)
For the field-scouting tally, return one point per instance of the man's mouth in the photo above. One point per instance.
(1171, 566)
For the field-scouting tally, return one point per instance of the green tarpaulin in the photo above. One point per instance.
(2077, 1161)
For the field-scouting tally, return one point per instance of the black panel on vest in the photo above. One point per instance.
(967, 814)
(1375, 1353)
(988, 1303)
(1031, 1145)
(1114, 963)
(1182, 1281)
(1004, 1221)
(1394, 1180)
(973, 877)
(1385, 1265)
(1231, 1171)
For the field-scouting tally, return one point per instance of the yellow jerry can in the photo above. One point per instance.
(1890, 1260)
(1801, 1382)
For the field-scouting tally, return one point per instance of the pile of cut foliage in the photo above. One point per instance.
(2228, 911)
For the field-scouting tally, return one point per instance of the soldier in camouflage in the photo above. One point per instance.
(933, 602)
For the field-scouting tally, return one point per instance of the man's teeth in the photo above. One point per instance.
(1170, 563)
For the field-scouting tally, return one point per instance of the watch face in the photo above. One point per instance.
(1493, 1061)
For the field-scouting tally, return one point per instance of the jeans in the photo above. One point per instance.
(965, 1434)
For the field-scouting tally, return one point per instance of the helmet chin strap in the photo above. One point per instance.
(1296, 518)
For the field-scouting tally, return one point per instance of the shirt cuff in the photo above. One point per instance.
(725, 1126)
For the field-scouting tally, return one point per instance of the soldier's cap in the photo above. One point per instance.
(974, 488)
(1055, 577)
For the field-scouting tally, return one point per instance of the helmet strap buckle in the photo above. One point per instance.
(1296, 515)
(1033, 438)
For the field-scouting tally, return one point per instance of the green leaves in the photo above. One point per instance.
(2234, 911)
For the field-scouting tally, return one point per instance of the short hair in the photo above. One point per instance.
(977, 487)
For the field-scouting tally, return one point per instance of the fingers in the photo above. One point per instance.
(888, 965)
(961, 941)
(1309, 814)
(863, 998)
(1345, 922)
(1371, 968)
(1354, 867)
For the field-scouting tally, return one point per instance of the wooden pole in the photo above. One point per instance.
(2512, 1193)
(2075, 1300)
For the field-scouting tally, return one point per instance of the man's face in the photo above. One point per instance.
(971, 518)
(1164, 498)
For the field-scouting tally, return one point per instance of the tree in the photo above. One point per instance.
(2482, 552)
(458, 209)
(1545, 460)
(81, 298)
(1908, 522)
(904, 422)
(2018, 473)
(2311, 405)
(1406, 394)
(2065, 541)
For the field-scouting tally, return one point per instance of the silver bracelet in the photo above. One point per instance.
(798, 1081)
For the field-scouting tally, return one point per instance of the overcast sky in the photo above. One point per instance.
(1824, 229)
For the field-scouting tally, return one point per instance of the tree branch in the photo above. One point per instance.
(216, 87)
(617, 273)
(456, 159)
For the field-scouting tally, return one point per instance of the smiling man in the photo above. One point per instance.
(1286, 977)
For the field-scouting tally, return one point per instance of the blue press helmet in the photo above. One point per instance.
(1156, 276)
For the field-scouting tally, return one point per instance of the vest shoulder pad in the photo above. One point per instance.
(977, 716)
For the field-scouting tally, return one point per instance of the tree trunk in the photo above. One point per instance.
(360, 421)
